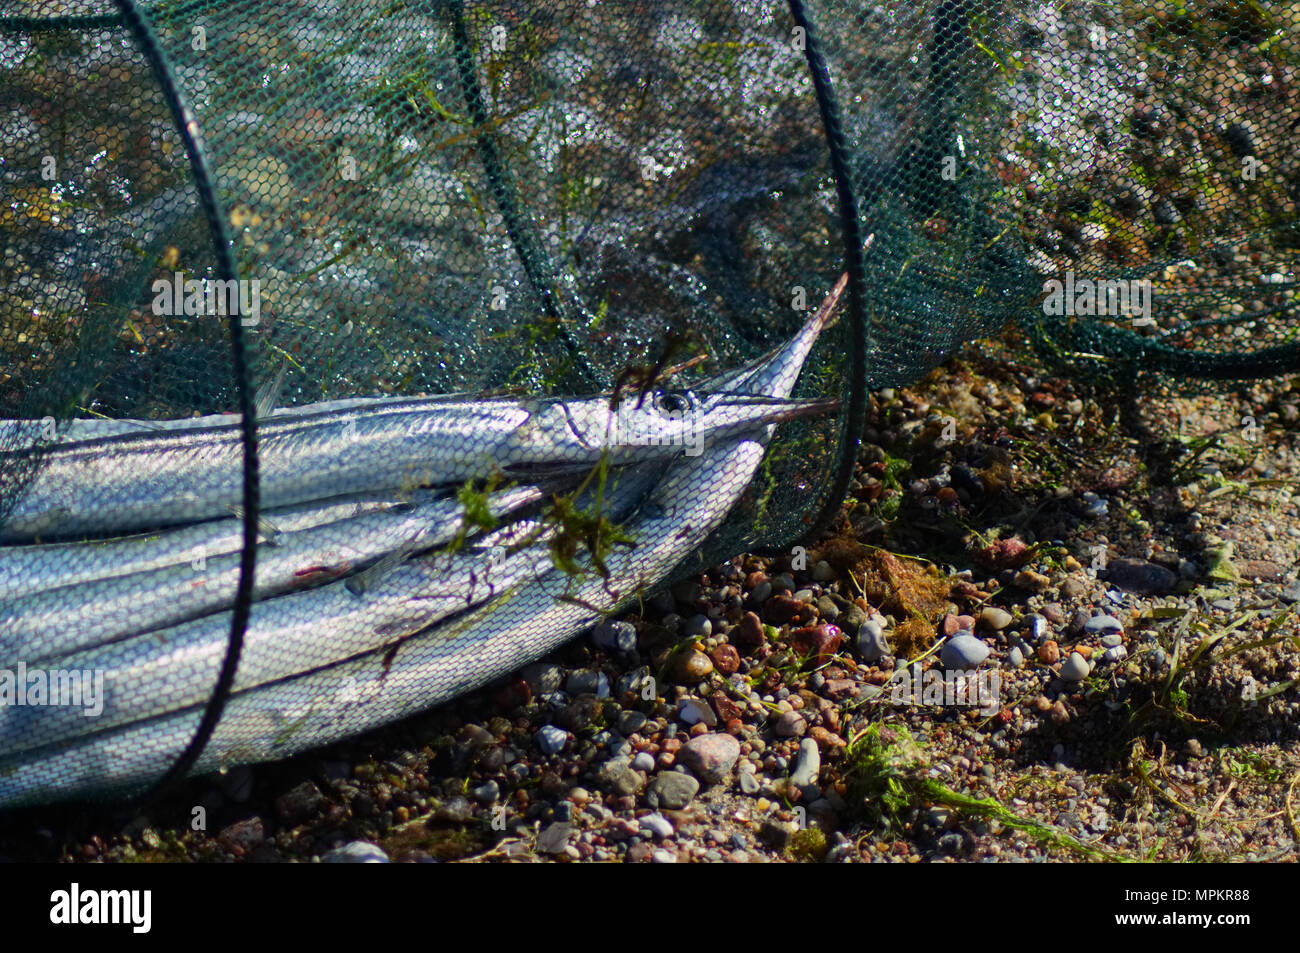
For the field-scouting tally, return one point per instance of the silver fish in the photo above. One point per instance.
(70, 618)
(39, 566)
(352, 695)
(147, 480)
(293, 633)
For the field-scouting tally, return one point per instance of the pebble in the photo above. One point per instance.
(672, 790)
(1112, 640)
(487, 792)
(631, 721)
(822, 571)
(749, 783)
(644, 761)
(356, 852)
(657, 824)
(1034, 626)
(614, 636)
(819, 641)
(550, 739)
(994, 618)
(1015, 658)
(584, 681)
(710, 757)
(662, 856)
(1291, 593)
(791, 724)
(852, 618)
(963, 651)
(1075, 668)
(698, 626)
(692, 711)
(1138, 575)
(693, 666)
(749, 635)
(1103, 625)
(807, 765)
(1049, 653)
(872, 644)
(543, 677)
(554, 838)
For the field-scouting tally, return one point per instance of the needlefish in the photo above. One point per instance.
(297, 632)
(72, 617)
(690, 498)
(147, 479)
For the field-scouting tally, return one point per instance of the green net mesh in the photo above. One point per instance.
(485, 199)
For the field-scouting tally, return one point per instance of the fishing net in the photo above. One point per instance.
(208, 206)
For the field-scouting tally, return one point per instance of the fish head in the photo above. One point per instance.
(678, 419)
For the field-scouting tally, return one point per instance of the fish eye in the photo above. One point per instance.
(674, 402)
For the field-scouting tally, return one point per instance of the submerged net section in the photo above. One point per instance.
(211, 206)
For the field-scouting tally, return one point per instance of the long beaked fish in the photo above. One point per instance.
(145, 480)
(366, 690)
(86, 614)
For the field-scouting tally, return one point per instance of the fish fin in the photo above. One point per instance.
(269, 532)
(365, 580)
(268, 395)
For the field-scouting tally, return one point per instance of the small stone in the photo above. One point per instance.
(1112, 640)
(1116, 654)
(1060, 715)
(1033, 581)
(1138, 575)
(748, 634)
(749, 784)
(698, 627)
(242, 836)
(1015, 658)
(356, 852)
(776, 834)
(299, 803)
(487, 792)
(644, 761)
(671, 790)
(693, 666)
(614, 636)
(710, 757)
(1102, 625)
(1049, 653)
(1291, 593)
(584, 681)
(725, 659)
(994, 618)
(1075, 668)
(822, 571)
(692, 711)
(872, 644)
(963, 651)
(807, 764)
(543, 678)
(791, 724)
(818, 641)
(630, 721)
(781, 609)
(656, 824)
(554, 838)
(827, 609)
(662, 856)
(550, 739)
(852, 618)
